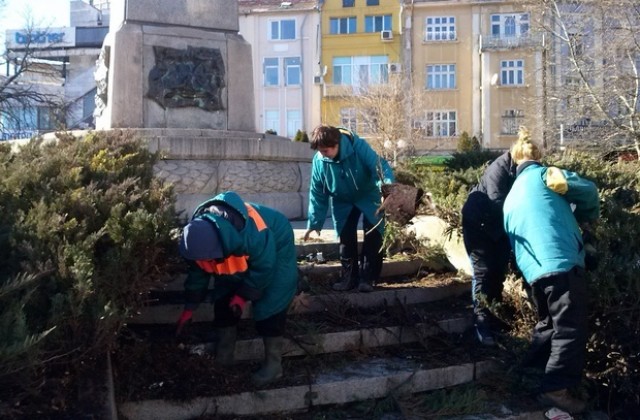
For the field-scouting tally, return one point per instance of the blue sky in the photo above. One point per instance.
(43, 13)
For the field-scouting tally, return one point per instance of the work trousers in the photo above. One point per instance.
(489, 260)
(560, 336)
(371, 257)
(272, 326)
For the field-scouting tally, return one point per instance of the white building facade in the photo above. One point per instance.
(62, 64)
(285, 40)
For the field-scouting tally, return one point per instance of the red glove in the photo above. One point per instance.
(237, 305)
(184, 319)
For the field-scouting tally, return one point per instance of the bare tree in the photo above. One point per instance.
(30, 87)
(387, 114)
(593, 78)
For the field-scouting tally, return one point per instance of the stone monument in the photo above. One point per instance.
(178, 73)
(166, 64)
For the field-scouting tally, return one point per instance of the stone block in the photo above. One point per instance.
(126, 81)
(241, 108)
(210, 14)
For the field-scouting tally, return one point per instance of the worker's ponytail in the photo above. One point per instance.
(524, 149)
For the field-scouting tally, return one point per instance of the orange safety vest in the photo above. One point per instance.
(233, 263)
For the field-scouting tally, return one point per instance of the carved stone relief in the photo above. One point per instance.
(194, 77)
(101, 76)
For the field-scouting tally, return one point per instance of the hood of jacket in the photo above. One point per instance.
(230, 215)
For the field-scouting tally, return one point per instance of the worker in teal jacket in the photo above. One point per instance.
(249, 250)
(348, 173)
(542, 217)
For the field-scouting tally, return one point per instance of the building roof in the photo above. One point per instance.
(257, 6)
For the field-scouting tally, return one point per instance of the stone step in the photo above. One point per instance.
(359, 380)
(335, 342)
(390, 268)
(169, 313)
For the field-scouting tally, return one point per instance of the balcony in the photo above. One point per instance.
(508, 42)
(332, 90)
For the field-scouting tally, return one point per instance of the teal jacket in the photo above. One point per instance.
(538, 218)
(262, 258)
(352, 179)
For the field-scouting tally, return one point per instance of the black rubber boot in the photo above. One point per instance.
(366, 278)
(272, 366)
(226, 346)
(349, 275)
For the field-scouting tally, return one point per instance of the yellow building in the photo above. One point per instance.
(360, 48)
(480, 67)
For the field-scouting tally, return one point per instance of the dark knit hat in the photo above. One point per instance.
(200, 240)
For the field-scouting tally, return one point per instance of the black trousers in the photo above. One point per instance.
(560, 336)
(274, 326)
(489, 260)
(371, 258)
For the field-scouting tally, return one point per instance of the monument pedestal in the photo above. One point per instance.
(178, 75)
(261, 168)
(175, 64)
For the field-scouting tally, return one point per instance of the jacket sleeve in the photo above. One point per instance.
(579, 191)
(376, 164)
(499, 179)
(195, 285)
(318, 198)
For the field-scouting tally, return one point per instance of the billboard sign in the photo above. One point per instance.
(41, 38)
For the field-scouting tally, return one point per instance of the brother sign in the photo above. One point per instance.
(52, 37)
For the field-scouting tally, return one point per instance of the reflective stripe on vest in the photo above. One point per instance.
(233, 264)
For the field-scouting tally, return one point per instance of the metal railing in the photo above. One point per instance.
(528, 40)
(19, 134)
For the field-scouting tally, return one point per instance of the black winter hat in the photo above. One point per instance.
(200, 240)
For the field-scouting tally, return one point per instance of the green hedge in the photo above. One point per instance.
(85, 230)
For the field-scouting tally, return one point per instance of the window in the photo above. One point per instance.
(373, 2)
(369, 122)
(440, 124)
(272, 120)
(506, 25)
(346, 25)
(348, 3)
(294, 122)
(360, 71)
(377, 23)
(441, 76)
(512, 72)
(348, 118)
(271, 72)
(283, 29)
(440, 28)
(21, 122)
(292, 71)
(512, 119)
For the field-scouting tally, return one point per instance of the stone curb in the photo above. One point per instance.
(389, 269)
(168, 314)
(328, 390)
(311, 344)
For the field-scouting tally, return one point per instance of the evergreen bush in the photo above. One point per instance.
(85, 230)
(301, 136)
(467, 144)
